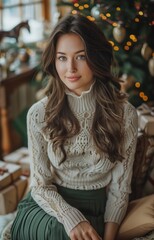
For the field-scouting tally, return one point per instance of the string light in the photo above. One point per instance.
(133, 38)
(76, 5)
(140, 13)
(126, 48)
(111, 42)
(81, 7)
(86, 6)
(103, 16)
(108, 14)
(91, 18)
(74, 12)
(137, 84)
(114, 24)
(129, 43)
(118, 8)
(141, 94)
(145, 98)
(116, 48)
(136, 19)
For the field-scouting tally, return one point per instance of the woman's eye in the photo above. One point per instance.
(81, 57)
(62, 58)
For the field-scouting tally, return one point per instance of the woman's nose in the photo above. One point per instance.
(72, 66)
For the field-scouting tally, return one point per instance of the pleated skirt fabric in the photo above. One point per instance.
(33, 223)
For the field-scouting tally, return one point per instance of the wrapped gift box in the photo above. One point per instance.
(146, 119)
(147, 124)
(10, 174)
(11, 195)
(21, 157)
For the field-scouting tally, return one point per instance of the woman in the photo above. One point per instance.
(81, 138)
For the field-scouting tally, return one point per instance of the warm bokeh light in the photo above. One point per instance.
(140, 13)
(103, 16)
(126, 48)
(91, 18)
(86, 6)
(81, 7)
(145, 98)
(116, 48)
(133, 38)
(74, 12)
(111, 42)
(129, 43)
(141, 94)
(118, 8)
(76, 5)
(114, 24)
(108, 14)
(136, 19)
(137, 84)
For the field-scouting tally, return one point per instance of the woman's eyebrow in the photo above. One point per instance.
(75, 52)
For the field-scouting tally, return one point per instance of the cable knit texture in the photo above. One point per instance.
(84, 168)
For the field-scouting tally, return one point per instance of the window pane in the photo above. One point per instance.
(26, 1)
(38, 12)
(13, 14)
(10, 2)
(30, 1)
(28, 12)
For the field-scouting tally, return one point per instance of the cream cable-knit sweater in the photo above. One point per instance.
(84, 167)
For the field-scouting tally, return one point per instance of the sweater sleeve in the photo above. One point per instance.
(42, 190)
(120, 185)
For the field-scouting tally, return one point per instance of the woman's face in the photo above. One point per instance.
(71, 63)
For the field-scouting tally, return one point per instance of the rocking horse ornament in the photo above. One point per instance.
(15, 32)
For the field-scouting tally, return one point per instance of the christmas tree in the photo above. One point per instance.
(128, 26)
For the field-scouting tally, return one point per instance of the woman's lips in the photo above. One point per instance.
(73, 79)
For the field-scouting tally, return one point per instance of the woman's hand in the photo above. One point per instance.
(84, 231)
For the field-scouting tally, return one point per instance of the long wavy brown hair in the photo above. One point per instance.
(107, 130)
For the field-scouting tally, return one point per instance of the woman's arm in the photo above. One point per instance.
(110, 231)
(120, 185)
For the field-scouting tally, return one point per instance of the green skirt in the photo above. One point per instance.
(33, 223)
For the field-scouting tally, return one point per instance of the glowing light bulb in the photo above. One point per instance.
(145, 98)
(81, 7)
(103, 16)
(141, 94)
(140, 13)
(118, 8)
(136, 19)
(74, 12)
(137, 84)
(116, 48)
(111, 42)
(114, 24)
(126, 48)
(76, 5)
(129, 43)
(108, 14)
(86, 6)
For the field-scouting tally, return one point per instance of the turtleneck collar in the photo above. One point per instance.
(68, 92)
(82, 103)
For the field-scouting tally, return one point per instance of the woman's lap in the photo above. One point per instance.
(33, 223)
